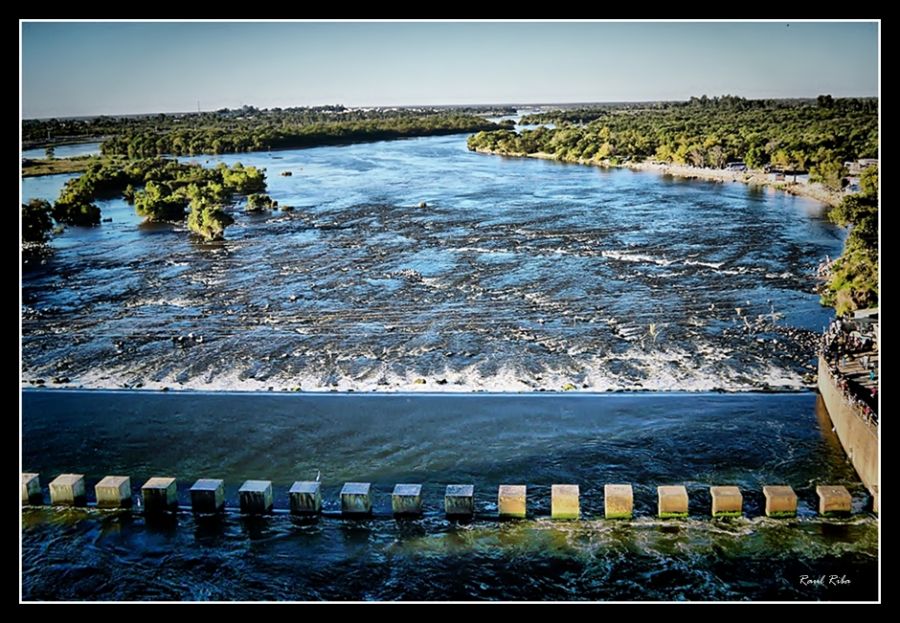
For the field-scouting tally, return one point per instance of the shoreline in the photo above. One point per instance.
(813, 191)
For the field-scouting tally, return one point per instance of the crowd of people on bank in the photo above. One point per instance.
(843, 341)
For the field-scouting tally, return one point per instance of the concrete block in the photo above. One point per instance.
(208, 495)
(355, 498)
(407, 500)
(564, 502)
(113, 492)
(68, 490)
(618, 501)
(834, 500)
(31, 489)
(673, 501)
(160, 494)
(256, 497)
(459, 500)
(781, 501)
(726, 501)
(511, 501)
(306, 497)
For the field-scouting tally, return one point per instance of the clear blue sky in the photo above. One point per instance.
(71, 69)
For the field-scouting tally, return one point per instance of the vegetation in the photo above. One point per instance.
(251, 129)
(853, 283)
(818, 135)
(161, 190)
(257, 202)
(32, 168)
(36, 221)
(159, 202)
(208, 219)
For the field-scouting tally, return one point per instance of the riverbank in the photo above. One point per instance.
(753, 178)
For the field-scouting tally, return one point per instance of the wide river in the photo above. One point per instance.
(516, 276)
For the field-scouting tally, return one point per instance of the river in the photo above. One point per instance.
(445, 321)
(436, 439)
(519, 275)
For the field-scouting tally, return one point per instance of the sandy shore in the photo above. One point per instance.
(755, 178)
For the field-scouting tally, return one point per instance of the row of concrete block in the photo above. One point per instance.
(208, 496)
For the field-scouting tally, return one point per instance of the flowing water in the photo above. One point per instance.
(518, 276)
(646, 439)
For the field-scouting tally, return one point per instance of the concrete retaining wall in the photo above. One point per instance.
(858, 436)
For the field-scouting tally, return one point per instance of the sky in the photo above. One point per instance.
(89, 68)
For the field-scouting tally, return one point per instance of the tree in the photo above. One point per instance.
(258, 202)
(868, 182)
(157, 202)
(825, 101)
(854, 276)
(36, 222)
(756, 157)
(50, 152)
(717, 156)
(208, 220)
(829, 172)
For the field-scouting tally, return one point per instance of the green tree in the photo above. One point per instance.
(157, 202)
(208, 220)
(755, 158)
(829, 172)
(258, 202)
(854, 276)
(36, 221)
(868, 182)
(825, 101)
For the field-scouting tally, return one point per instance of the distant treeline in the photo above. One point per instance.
(816, 135)
(251, 129)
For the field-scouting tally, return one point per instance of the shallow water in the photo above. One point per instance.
(646, 439)
(64, 151)
(519, 275)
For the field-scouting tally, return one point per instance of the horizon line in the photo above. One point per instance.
(457, 105)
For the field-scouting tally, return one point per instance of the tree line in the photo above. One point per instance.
(251, 129)
(815, 135)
